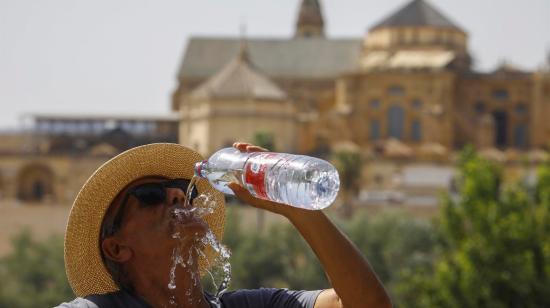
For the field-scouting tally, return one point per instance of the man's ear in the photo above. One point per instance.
(115, 251)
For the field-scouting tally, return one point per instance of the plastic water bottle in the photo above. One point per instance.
(297, 180)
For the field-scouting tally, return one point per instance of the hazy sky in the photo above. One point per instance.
(121, 56)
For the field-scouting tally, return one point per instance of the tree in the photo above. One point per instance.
(397, 246)
(265, 140)
(495, 244)
(349, 165)
(278, 258)
(33, 275)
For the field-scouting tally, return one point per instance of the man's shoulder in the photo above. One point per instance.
(78, 302)
(114, 299)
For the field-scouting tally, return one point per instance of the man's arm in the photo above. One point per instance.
(351, 276)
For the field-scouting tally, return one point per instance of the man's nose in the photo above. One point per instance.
(175, 196)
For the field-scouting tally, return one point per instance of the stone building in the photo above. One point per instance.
(409, 79)
(51, 157)
(237, 103)
(303, 67)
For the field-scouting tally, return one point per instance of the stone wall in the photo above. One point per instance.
(36, 192)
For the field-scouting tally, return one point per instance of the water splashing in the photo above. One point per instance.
(201, 206)
(176, 259)
(220, 270)
(218, 266)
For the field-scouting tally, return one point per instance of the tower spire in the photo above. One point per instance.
(310, 20)
(243, 48)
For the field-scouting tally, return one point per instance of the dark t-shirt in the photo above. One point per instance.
(275, 298)
(267, 298)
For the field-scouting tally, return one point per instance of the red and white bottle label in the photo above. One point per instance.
(255, 172)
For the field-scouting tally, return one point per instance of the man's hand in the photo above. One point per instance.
(244, 195)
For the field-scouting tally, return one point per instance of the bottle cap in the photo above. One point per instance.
(199, 167)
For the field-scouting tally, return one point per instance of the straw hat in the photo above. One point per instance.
(83, 263)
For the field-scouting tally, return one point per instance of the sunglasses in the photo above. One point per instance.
(148, 195)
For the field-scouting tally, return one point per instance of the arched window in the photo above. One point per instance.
(417, 104)
(396, 120)
(35, 183)
(374, 104)
(374, 131)
(416, 130)
(521, 109)
(520, 136)
(501, 128)
(479, 107)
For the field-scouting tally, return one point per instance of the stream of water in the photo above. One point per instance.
(218, 266)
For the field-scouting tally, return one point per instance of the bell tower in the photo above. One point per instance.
(310, 20)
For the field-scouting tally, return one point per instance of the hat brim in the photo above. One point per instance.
(85, 269)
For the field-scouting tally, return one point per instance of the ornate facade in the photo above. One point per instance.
(237, 103)
(409, 79)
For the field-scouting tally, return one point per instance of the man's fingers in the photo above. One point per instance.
(240, 192)
(247, 147)
(234, 187)
(241, 146)
(255, 148)
(245, 196)
(238, 189)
